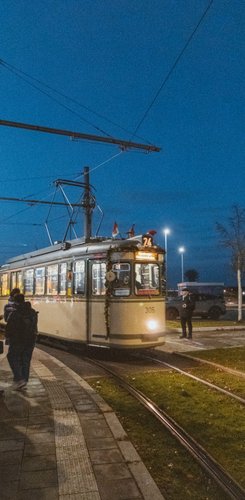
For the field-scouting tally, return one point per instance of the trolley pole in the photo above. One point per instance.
(87, 207)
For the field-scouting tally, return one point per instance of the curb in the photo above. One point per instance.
(211, 329)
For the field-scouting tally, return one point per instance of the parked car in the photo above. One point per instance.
(206, 306)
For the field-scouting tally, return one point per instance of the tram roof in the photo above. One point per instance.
(75, 246)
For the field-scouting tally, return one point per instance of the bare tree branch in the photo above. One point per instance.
(233, 236)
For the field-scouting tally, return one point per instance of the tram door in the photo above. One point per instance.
(96, 325)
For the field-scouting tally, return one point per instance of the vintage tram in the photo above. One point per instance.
(101, 292)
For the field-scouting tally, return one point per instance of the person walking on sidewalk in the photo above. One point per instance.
(186, 312)
(21, 329)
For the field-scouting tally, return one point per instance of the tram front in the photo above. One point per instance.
(134, 295)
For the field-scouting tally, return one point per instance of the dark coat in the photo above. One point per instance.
(187, 307)
(21, 328)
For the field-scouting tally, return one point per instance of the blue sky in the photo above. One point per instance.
(110, 58)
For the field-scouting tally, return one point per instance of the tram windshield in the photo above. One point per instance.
(147, 279)
(121, 285)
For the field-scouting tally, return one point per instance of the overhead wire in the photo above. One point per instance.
(4, 220)
(172, 68)
(31, 205)
(18, 72)
(57, 101)
(104, 162)
(16, 179)
(75, 177)
(13, 215)
(21, 224)
(53, 193)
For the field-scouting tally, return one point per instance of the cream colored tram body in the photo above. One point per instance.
(106, 293)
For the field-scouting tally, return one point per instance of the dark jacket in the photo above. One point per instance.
(21, 328)
(187, 307)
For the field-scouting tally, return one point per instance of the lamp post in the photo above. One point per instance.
(182, 251)
(166, 232)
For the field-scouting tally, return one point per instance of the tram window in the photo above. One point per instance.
(62, 278)
(19, 280)
(79, 277)
(98, 278)
(52, 279)
(147, 279)
(4, 285)
(121, 285)
(28, 281)
(13, 281)
(40, 281)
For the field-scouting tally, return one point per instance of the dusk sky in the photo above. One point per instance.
(165, 72)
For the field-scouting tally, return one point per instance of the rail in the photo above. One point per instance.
(225, 481)
(198, 379)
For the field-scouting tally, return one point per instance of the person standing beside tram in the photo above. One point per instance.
(186, 312)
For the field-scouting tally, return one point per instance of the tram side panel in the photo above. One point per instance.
(64, 319)
(120, 323)
(124, 323)
(127, 323)
(142, 323)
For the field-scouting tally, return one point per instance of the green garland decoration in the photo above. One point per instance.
(108, 294)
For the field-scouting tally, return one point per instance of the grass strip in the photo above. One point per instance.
(206, 323)
(175, 472)
(220, 378)
(232, 357)
(214, 420)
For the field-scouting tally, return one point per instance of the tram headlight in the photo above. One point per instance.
(152, 324)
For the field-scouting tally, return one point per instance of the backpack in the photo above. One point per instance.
(30, 325)
(21, 326)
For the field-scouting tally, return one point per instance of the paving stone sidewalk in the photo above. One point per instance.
(60, 440)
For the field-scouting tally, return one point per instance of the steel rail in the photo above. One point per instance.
(216, 365)
(225, 481)
(198, 379)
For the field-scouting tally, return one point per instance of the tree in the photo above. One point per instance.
(233, 237)
(191, 275)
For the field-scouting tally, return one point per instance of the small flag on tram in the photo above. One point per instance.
(131, 232)
(115, 230)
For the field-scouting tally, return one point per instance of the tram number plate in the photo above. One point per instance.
(149, 310)
(147, 240)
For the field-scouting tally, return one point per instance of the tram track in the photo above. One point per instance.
(227, 369)
(198, 379)
(204, 459)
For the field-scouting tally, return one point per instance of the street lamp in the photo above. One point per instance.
(166, 233)
(182, 251)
